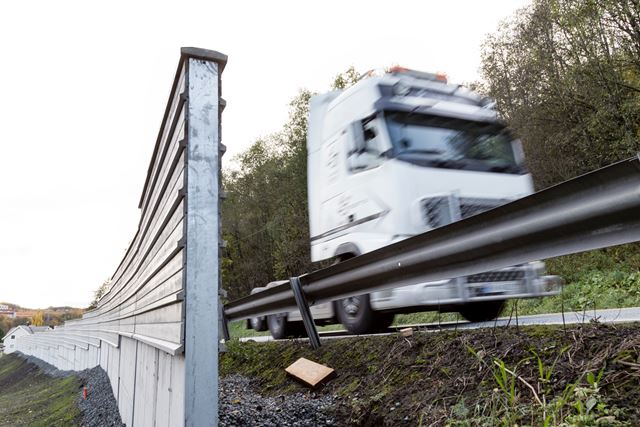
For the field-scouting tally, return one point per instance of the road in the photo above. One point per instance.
(614, 315)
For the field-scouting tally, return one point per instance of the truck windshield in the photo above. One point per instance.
(452, 143)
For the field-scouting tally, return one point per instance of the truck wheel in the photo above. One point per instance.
(258, 323)
(482, 311)
(281, 328)
(357, 316)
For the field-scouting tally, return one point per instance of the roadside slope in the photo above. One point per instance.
(28, 396)
(584, 375)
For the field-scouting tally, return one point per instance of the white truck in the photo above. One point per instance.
(398, 155)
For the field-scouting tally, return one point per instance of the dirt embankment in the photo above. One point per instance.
(28, 396)
(34, 393)
(585, 375)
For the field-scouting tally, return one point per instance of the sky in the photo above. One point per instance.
(84, 86)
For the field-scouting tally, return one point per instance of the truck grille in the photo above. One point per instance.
(443, 210)
(437, 211)
(496, 276)
(470, 206)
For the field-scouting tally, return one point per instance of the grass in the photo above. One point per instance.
(28, 397)
(606, 278)
(585, 376)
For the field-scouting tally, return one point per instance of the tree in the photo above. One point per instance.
(38, 318)
(566, 76)
(99, 293)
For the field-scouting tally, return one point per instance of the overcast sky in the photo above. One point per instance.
(84, 87)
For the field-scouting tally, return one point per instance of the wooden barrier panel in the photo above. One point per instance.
(154, 331)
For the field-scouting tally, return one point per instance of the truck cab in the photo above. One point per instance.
(402, 154)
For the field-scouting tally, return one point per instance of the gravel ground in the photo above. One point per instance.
(100, 408)
(242, 405)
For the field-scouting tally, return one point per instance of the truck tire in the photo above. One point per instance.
(258, 323)
(281, 328)
(357, 316)
(482, 311)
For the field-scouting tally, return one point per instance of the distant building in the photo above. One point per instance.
(9, 340)
(5, 310)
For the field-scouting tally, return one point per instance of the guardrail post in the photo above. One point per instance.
(303, 306)
(203, 152)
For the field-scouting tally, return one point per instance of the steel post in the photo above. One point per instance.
(203, 70)
(307, 318)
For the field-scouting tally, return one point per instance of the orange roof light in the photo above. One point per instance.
(398, 69)
(441, 77)
(438, 77)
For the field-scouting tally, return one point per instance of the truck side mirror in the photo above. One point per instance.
(356, 138)
(518, 151)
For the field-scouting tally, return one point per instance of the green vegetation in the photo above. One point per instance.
(607, 278)
(99, 293)
(239, 329)
(29, 397)
(566, 76)
(586, 376)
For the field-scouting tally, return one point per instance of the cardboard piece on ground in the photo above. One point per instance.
(406, 332)
(310, 373)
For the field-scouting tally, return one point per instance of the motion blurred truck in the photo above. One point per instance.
(397, 155)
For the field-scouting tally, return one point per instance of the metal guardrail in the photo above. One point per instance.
(592, 211)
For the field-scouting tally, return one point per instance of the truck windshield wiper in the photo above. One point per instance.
(425, 151)
(450, 163)
(504, 168)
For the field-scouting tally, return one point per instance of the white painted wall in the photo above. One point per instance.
(10, 340)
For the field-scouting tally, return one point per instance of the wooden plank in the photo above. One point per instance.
(172, 286)
(146, 386)
(126, 395)
(176, 411)
(163, 406)
(163, 138)
(114, 370)
(161, 253)
(171, 161)
(132, 274)
(406, 332)
(163, 233)
(309, 372)
(171, 331)
(128, 268)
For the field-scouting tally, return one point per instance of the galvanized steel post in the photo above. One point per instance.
(203, 150)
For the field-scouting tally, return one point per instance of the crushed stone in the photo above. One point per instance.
(242, 405)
